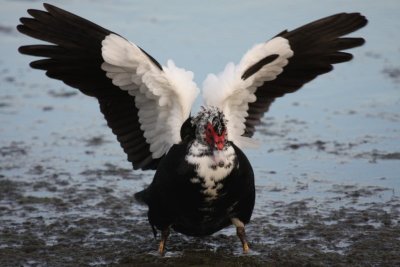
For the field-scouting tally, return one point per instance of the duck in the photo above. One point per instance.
(203, 182)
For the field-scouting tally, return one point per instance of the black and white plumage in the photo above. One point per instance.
(203, 181)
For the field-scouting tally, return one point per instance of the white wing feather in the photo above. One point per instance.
(163, 97)
(229, 92)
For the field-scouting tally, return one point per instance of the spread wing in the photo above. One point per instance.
(144, 103)
(280, 66)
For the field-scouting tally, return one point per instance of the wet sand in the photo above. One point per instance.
(55, 218)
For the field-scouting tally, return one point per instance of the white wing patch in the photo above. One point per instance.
(163, 97)
(229, 92)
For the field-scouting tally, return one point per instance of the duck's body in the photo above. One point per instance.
(200, 202)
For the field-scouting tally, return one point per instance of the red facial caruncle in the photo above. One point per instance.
(213, 138)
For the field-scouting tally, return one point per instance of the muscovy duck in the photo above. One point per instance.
(203, 181)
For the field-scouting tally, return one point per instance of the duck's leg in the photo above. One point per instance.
(241, 233)
(164, 237)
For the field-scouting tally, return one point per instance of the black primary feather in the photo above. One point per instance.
(74, 57)
(316, 47)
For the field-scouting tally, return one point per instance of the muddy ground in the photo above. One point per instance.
(50, 218)
(327, 173)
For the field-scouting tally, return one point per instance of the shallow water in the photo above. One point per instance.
(327, 173)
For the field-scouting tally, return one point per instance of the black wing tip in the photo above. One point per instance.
(50, 7)
(359, 19)
(53, 10)
(26, 21)
(24, 49)
(356, 19)
(34, 12)
(359, 41)
(353, 15)
(363, 21)
(38, 64)
(360, 16)
(20, 28)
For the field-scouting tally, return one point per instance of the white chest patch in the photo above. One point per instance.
(210, 169)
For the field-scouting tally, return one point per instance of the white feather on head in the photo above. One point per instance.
(207, 115)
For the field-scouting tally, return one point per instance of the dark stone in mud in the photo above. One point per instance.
(353, 191)
(44, 185)
(320, 145)
(6, 29)
(393, 73)
(40, 200)
(37, 170)
(375, 155)
(112, 170)
(63, 93)
(344, 149)
(373, 55)
(330, 147)
(96, 141)
(9, 79)
(13, 149)
(47, 108)
(4, 105)
(8, 189)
